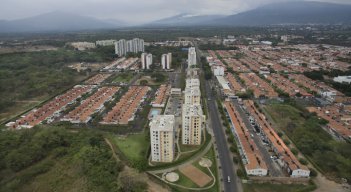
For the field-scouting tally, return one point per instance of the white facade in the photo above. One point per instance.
(192, 82)
(191, 57)
(135, 45)
(192, 96)
(162, 138)
(120, 47)
(218, 70)
(192, 123)
(105, 42)
(166, 61)
(300, 173)
(146, 60)
(256, 171)
(342, 79)
(329, 95)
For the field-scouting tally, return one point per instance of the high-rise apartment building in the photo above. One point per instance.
(166, 61)
(192, 96)
(134, 46)
(146, 60)
(120, 47)
(162, 136)
(192, 123)
(191, 57)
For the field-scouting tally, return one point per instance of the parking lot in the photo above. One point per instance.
(174, 107)
(273, 167)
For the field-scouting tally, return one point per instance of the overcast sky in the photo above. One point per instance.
(133, 11)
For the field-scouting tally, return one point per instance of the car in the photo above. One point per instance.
(209, 99)
(273, 157)
(228, 179)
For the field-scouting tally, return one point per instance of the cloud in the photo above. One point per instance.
(134, 11)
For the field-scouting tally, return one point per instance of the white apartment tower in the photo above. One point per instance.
(166, 61)
(146, 60)
(120, 47)
(162, 138)
(135, 45)
(191, 57)
(192, 96)
(192, 123)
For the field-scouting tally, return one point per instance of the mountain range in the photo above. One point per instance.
(294, 12)
(57, 21)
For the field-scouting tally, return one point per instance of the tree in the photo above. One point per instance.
(131, 184)
(143, 82)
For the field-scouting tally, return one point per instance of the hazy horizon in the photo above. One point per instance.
(131, 11)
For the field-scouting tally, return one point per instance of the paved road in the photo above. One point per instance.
(226, 161)
(273, 168)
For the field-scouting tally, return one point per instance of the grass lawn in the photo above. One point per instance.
(266, 187)
(185, 148)
(123, 77)
(150, 81)
(282, 115)
(134, 147)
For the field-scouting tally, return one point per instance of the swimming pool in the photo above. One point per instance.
(154, 112)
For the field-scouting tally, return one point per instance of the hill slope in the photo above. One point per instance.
(55, 21)
(186, 20)
(291, 13)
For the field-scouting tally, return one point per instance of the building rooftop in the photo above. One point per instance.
(162, 123)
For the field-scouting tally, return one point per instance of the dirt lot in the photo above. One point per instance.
(196, 175)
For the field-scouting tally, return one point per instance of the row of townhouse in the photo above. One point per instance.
(91, 105)
(251, 156)
(124, 110)
(162, 95)
(49, 111)
(258, 85)
(286, 159)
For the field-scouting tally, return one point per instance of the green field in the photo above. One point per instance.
(305, 131)
(134, 146)
(123, 78)
(266, 187)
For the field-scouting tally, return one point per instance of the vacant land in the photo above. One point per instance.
(304, 129)
(36, 76)
(134, 148)
(276, 187)
(51, 158)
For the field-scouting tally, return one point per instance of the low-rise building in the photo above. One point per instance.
(109, 42)
(342, 79)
